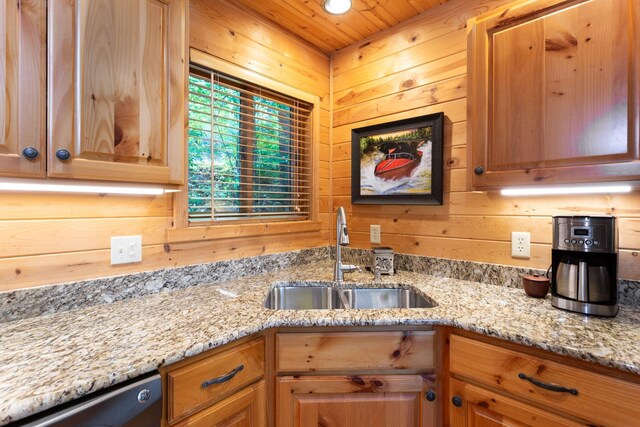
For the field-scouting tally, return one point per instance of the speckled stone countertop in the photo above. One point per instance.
(54, 358)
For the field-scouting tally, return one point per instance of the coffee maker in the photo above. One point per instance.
(584, 265)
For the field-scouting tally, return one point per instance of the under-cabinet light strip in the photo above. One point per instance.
(550, 191)
(81, 188)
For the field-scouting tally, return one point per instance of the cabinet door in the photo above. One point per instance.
(353, 401)
(247, 408)
(476, 406)
(22, 88)
(117, 72)
(554, 93)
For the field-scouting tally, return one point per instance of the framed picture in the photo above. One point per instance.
(398, 162)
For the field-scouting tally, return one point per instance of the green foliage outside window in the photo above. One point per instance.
(251, 168)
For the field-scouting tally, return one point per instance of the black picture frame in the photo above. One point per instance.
(390, 162)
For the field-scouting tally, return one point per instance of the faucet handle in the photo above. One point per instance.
(344, 236)
(350, 268)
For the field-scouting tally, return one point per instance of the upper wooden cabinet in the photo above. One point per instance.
(554, 93)
(22, 88)
(116, 80)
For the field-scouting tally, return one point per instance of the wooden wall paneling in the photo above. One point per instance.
(488, 251)
(32, 271)
(395, 62)
(487, 203)
(242, 49)
(16, 206)
(440, 69)
(72, 235)
(455, 111)
(440, 21)
(431, 94)
(228, 15)
(469, 225)
(494, 228)
(457, 179)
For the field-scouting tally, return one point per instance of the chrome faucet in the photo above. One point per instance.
(342, 239)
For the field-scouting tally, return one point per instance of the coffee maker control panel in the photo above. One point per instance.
(584, 234)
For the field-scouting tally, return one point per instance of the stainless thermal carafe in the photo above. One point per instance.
(585, 264)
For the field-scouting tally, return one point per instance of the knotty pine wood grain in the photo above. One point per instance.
(600, 398)
(122, 115)
(30, 271)
(331, 32)
(368, 76)
(32, 225)
(22, 86)
(367, 400)
(447, 18)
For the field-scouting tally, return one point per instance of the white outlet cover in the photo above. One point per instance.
(374, 233)
(521, 244)
(126, 249)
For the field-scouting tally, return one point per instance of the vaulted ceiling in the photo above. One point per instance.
(329, 33)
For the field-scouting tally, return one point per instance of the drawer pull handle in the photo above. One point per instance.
(223, 378)
(550, 387)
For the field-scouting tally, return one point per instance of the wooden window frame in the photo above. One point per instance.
(184, 231)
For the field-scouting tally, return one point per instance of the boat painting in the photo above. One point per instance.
(398, 162)
(390, 163)
(397, 165)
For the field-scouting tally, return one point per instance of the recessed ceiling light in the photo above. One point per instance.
(337, 7)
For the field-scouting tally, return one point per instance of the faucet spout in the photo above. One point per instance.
(342, 239)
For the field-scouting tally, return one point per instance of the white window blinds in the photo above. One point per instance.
(249, 151)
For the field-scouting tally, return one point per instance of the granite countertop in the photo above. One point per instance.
(52, 359)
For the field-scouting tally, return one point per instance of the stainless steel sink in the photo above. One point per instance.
(327, 297)
(385, 298)
(302, 298)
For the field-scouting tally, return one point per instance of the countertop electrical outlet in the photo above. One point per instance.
(520, 244)
(126, 249)
(374, 233)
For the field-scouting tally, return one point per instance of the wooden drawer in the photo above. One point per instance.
(248, 407)
(187, 391)
(352, 351)
(484, 407)
(605, 400)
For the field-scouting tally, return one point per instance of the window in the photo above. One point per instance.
(249, 151)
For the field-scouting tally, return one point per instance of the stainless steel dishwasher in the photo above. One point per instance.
(134, 404)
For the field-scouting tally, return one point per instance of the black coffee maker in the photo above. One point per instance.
(584, 264)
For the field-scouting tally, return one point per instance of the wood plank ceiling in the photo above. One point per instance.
(329, 33)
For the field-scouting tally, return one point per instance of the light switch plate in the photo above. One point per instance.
(374, 233)
(126, 249)
(521, 244)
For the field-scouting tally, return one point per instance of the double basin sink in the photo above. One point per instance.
(303, 296)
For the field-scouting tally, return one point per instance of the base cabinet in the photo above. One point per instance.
(356, 378)
(224, 387)
(476, 406)
(246, 408)
(492, 384)
(353, 401)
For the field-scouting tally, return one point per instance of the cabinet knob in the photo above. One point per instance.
(63, 154)
(457, 401)
(30, 153)
(479, 170)
(431, 396)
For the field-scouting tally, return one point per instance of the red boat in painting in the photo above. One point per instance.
(397, 165)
